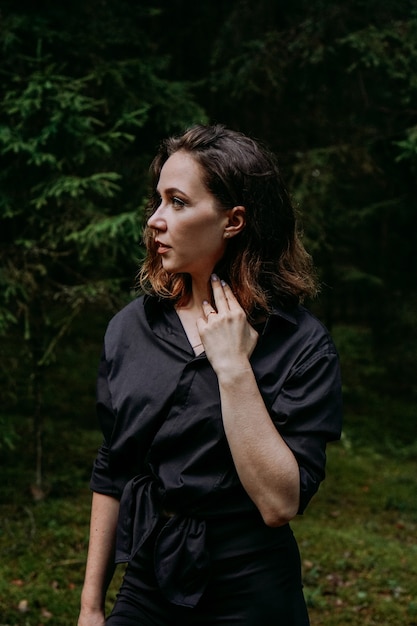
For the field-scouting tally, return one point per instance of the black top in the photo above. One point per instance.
(165, 450)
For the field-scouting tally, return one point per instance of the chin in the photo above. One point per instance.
(171, 270)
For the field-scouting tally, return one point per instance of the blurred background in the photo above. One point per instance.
(87, 91)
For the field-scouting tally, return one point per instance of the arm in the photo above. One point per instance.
(265, 464)
(100, 565)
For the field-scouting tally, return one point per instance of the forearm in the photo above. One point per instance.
(266, 466)
(100, 560)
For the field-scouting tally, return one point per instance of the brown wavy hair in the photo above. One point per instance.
(266, 263)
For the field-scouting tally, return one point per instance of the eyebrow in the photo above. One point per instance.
(172, 190)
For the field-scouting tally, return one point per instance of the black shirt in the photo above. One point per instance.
(165, 451)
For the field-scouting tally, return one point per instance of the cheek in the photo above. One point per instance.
(206, 230)
(209, 237)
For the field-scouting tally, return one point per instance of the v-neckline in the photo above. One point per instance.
(193, 340)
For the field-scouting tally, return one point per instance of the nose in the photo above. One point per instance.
(156, 220)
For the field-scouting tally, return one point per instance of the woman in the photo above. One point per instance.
(217, 394)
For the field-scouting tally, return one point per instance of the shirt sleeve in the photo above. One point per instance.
(103, 479)
(308, 414)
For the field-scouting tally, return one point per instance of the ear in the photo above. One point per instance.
(236, 221)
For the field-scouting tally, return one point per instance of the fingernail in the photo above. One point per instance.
(223, 283)
(214, 277)
(205, 301)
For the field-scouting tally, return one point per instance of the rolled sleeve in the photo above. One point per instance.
(308, 414)
(103, 479)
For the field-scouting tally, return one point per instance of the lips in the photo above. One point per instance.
(161, 247)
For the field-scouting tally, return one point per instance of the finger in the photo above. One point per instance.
(220, 298)
(208, 309)
(233, 303)
(229, 295)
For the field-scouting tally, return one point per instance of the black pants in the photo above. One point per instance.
(260, 588)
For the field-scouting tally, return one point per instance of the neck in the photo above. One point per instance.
(200, 291)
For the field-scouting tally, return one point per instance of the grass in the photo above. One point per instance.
(358, 541)
(357, 538)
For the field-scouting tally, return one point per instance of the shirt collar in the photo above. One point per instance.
(286, 314)
(153, 305)
(164, 321)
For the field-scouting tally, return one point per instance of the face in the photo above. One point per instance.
(189, 228)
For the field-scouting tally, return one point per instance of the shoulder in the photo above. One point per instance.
(131, 312)
(127, 324)
(301, 326)
(129, 316)
(135, 321)
(298, 341)
(311, 329)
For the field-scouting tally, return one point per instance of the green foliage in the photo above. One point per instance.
(50, 126)
(361, 370)
(82, 92)
(108, 230)
(366, 510)
(9, 436)
(391, 49)
(68, 122)
(331, 87)
(408, 147)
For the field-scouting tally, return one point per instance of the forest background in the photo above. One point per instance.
(88, 90)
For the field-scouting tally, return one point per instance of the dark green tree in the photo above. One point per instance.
(83, 91)
(332, 88)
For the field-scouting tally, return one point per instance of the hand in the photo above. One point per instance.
(91, 618)
(228, 338)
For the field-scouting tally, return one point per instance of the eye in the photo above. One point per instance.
(177, 202)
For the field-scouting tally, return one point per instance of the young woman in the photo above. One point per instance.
(217, 394)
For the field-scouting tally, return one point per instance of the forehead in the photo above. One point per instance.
(181, 170)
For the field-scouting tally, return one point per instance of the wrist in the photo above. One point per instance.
(234, 373)
(92, 601)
